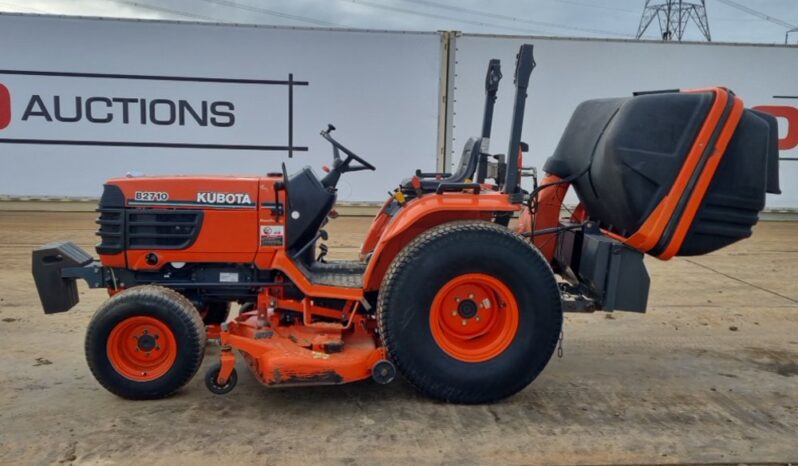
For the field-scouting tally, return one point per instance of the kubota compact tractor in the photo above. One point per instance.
(468, 309)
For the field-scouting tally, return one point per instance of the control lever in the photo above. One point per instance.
(322, 234)
(322, 253)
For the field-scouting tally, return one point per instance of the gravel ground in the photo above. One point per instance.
(708, 375)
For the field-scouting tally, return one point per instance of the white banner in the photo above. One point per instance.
(83, 100)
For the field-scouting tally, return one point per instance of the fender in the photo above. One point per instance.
(424, 213)
(549, 206)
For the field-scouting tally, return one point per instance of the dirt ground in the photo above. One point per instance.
(708, 375)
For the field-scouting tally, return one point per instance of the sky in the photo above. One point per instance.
(765, 21)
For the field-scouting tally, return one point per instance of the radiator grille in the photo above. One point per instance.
(122, 229)
(111, 231)
(162, 229)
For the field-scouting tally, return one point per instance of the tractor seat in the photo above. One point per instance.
(465, 169)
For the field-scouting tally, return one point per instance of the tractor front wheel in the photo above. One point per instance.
(470, 312)
(145, 342)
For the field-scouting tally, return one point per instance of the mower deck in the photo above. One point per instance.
(288, 352)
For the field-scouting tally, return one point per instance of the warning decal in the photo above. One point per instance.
(271, 235)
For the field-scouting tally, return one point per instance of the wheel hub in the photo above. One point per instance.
(146, 342)
(142, 348)
(467, 309)
(474, 317)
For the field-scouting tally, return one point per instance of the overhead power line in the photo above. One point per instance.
(179, 13)
(446, 18)
(29, 8)
(266, 11)
(593, 5)
(513, 18)
(758, 14)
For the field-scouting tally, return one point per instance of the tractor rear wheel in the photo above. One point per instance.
(145, 342)
(469, 312)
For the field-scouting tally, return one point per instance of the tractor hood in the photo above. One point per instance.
(182, 191)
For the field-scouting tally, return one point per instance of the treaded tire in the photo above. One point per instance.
(428, 263)
(175, 312)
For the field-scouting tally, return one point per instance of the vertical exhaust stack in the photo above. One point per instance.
(492, 78)
(524, 65)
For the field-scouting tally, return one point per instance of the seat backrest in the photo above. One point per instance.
(469, 159)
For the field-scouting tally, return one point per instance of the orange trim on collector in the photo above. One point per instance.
(650, 233)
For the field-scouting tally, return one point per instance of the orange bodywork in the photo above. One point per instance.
(299, 353)
(228, 233)
(389, 235)
(295, 340)
(545, 215)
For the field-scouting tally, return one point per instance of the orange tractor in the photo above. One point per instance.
(467, 308)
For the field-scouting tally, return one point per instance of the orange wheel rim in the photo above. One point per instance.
(142, 348)
(474, 317)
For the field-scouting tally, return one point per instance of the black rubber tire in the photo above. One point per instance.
(216, 313)
(215, 388)
(429, 262)
(164, 304)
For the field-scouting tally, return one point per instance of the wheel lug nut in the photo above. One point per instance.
(464, 322)
(145, 331)
(454, 313)
(477, 317)
(471, 296)
(457, 299)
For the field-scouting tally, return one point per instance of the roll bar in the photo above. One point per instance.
(492, 78)
(524, 64)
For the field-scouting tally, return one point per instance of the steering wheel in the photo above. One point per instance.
(341, 166)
